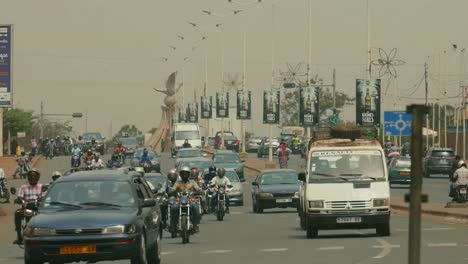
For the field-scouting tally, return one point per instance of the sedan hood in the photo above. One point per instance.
(228, 165)
(83, 218)
(280, 188)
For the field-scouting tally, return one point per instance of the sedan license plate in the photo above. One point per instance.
(405, 173)
(462, 191)
(347, 220)
(283, 200)
(90, 249)
(443, 161)
(229, 142)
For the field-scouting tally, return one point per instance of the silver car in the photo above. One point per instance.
(236, 194)
(253, 143)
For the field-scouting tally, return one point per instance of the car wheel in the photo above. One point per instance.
(258, 208)
(29, 260)
(140, 257)
(154, 254)
(383, 229)
(311, 230)
(427, 174)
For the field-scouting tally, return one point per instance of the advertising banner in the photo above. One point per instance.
(222, 104)
(466, 96)
(192, 112)
(5, 65)
(206, 103)
(244, 105)
(368, 102)
(182, 115)
(271, 107)
(309, 106)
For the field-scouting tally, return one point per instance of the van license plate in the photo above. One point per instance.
(463, 191)
(346, 220)
(283, 200)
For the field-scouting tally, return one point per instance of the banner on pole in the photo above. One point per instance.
(5, 66)
(192, 112)
(465, 95)
(244, 105)
(368, 102)
(309, 106)
(206, 103)
(222, 104)
(182, 115)
(271, 107)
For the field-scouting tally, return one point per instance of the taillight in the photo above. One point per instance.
(237, 142)
(216, 142)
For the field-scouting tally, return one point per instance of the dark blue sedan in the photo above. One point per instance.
(95, 216)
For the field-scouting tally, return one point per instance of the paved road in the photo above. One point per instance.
(436, 186)
(274, 237)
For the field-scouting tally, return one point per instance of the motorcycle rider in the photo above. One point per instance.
(88, 156)
(296, 141)
(114, 161)
(23, 164)
(50, 148)
(56, 175)
(186, 144)
(460, 177)
(145, 157)
(210, 175)
(97, 162)
(172, 178)
(195, 176)
(27, 192)
(120, 151)
(191, 187)
(76, 150)
(220, 180)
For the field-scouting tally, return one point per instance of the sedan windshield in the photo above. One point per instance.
(226, 159)
(128, 141)
(91, 136)
(183, 135)
(200, 165)
(279, 178)
(83, 193)
(155, 180)
(187, 153)
(346, 164)
(232, 176)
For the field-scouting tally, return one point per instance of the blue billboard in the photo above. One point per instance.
(5, 65)
(397, 123)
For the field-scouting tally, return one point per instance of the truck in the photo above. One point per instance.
(345, 186)
(183, 131)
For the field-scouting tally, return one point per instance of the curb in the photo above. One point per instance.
(431, 212)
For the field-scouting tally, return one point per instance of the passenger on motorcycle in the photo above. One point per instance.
(31, 191)
(210, 175)
(220, 180)
(195, 176)
(460, 177)
(145, 157)
(97, 162)
(191, 187)
(88, 156)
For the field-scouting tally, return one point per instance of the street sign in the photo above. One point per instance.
(289, 85)
(397, 123)
(21, 134)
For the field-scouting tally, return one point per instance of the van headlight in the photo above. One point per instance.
(380, 202)
(35, 232)
(316, 204)
(119, 229)
(296, 195)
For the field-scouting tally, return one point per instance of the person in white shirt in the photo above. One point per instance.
(220, 180)
(97, 163)
(460, 177)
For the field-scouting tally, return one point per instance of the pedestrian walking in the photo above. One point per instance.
(283, 155)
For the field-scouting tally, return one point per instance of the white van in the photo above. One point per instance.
(183, 131)
(345, 186)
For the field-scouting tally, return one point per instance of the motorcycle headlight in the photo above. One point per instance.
(380, 202)
(153, 162)
(119, 229)
(235, 191)
(28, 213)
(316, 204)
(35, 231)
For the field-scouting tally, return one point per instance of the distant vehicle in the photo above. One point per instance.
(229, 160)
(253, 143)
(211, 142)
(185, 153)
(232, 143)
(399, 170)
(236, 194)
(95, 216)
(275, 189)
(89, 136)
(200, 163)
(130, 144)
(183, 131)
(218, 136)
(438, 160)
(264, 147)
(155, 159)
(289, 131)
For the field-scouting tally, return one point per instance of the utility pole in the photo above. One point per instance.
(334, 90)
(426, 88)
(42, 120)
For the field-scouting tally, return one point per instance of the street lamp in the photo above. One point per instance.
(461, 101)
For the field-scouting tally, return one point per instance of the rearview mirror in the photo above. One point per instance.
(254, 183)
(148, 202)
(302, 176)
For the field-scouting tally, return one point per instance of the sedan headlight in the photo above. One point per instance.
(36, 231)
(380, 202)
(296, 195)
(265, 195)
(119, 229)
(316, 204)
(235, 191)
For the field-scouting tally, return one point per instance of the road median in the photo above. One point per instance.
(459, 212)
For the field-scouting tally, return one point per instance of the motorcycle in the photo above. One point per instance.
(161, 197)
(220, 209)
(172, 226)
(186, 227)
(76, 161)
(461, 193)
(112, 164)
(146, 166)
(23, 168)
(4, 192)
(88, 165)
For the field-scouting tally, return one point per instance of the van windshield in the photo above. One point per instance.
(183, 135)
(346, 165)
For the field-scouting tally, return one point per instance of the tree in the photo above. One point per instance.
(52, 129)
(17, 120)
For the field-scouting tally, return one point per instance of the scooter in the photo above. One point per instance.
(461, 194)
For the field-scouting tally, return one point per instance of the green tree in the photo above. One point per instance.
(17, 120)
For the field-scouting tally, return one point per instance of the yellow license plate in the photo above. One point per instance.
(406, 173)
(91, 249)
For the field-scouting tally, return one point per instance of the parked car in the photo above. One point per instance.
(265, 146)
(95, 216)
(217, 142)
(232, 143)
(155, 159)
(253, 143)
(399, 170)
(201, 163)
(275, 189)
(130, 144)
(89, 136)
(229, 160)
(438, 160)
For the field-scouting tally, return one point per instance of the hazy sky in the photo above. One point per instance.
(104, 56)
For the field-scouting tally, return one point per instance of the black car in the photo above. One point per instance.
(438, 160)
(95, 216)
(275, 189)
(232, 143)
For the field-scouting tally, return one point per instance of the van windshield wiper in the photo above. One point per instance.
(65, 204)
(330, 175)
(101, 204)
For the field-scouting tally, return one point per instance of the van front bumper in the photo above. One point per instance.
(335, 221)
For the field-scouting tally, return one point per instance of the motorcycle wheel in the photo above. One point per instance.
(184, 230)
(220, 213)
(5, 197)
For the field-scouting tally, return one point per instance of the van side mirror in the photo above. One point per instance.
(148, 202)
(302, 176)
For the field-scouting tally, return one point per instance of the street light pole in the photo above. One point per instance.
(270, 128)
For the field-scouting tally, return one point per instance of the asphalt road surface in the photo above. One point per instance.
(275, 237)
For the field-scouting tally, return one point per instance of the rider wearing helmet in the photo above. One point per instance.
(56, 175)
(97, 162)
(191, 187)
(460, 177)
(210, 175)
(31, 191)
(220, 180)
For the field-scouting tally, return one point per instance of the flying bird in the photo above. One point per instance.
(454, 46)
(237, 11)
(173, 47)
(181, 37)
(193, 24)
(204, 37)
(218, 25)
(207, 12)
(165, 58)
